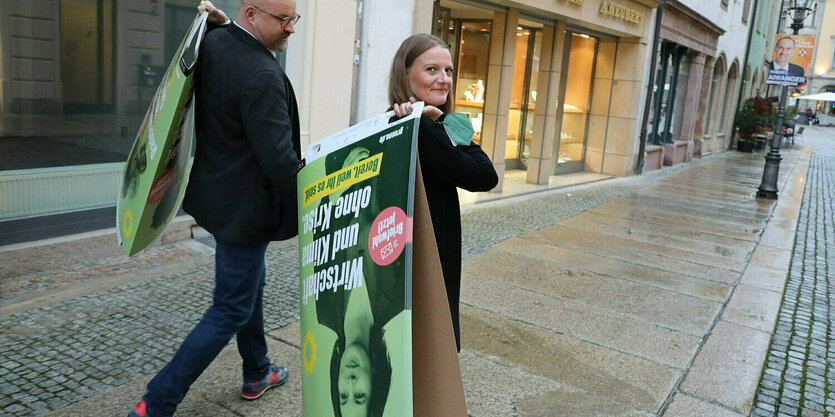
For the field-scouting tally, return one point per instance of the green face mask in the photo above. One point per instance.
(459, 129)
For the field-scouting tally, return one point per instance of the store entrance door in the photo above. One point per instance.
(579, 66)
(523, 94)
(87, 55)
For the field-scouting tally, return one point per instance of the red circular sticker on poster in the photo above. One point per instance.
(160, 187)
(389, 233)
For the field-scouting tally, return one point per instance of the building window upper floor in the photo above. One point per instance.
(832, 59)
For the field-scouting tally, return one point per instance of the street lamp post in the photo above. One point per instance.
(768, 186)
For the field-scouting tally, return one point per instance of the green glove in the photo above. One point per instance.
(459, 129)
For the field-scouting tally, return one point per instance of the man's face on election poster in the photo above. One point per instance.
(783, 51)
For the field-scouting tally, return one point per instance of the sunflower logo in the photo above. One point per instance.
(309, 352)
(127, 223)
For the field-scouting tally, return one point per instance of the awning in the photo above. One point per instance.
(818, 97)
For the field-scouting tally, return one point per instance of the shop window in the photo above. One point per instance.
(683, 71)
(523, 95)
(667, 111)
(86, 45)
(730, 88)
(714, 96)
(582, 49)
(665, 134)
(471, 79)
(657, 105)
(468, 32)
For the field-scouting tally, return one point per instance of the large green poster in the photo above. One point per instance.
(355, 253)
(156, 171)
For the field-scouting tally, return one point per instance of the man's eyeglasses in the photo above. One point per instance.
(284, 20)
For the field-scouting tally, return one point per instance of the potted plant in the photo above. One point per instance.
(747, 122)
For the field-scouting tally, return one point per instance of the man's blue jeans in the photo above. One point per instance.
(236, 310)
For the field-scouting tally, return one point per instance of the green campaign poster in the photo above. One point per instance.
(156, 172)
(355, 251)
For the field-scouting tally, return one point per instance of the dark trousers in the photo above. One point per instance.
(236, 310)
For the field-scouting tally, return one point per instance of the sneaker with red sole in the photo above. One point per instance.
(138, 410)
(277, 376)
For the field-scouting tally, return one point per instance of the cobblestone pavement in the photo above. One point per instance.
(13, 286)
(56, 355)
(799, 374)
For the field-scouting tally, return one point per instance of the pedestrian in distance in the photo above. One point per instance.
(422, 70)
(242, 189)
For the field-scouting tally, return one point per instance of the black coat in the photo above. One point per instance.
(242, 187)
(446, 167)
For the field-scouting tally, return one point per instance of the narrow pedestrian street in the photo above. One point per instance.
(640, 296)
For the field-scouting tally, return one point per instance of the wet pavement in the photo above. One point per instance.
(635, 307)
(639, 296)
(799, 376)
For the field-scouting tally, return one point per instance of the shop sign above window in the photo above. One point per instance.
(620, 12)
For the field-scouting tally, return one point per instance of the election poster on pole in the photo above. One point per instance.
(791, 60)
(356, 270)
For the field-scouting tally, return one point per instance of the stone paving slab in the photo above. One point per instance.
(681, 238)
(648, 214)
(618, 269)
(587, 322)
(708, 209)
(489, 395)
(570, 405)
(684, 405)
(702, 265)
(726, 369)
(764, 277)
(779, 238)
(739, 181)
(641, 302)
(730, 193)
(714, 211)
(701, 200)
(771, 257)
(574, 367)
(753, 307)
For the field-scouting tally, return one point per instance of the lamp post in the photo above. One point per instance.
(768, 186)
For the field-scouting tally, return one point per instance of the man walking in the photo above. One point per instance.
(242, 190)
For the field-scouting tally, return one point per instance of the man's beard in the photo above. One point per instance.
(281, 44)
